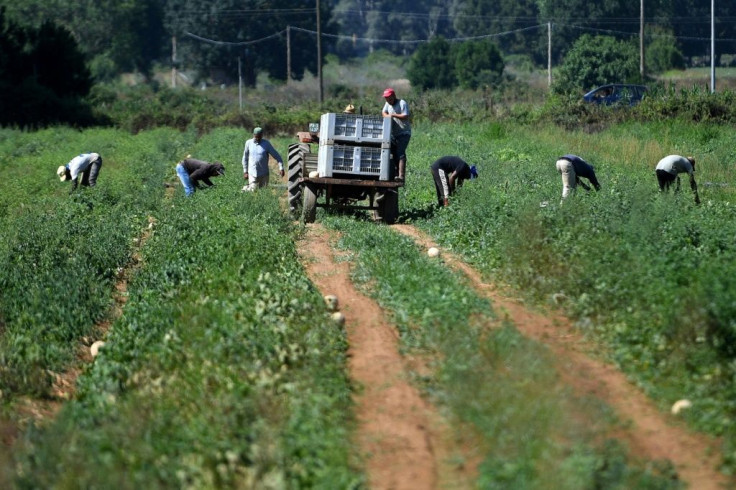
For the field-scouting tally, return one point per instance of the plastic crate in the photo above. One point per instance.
(354, 128)
(354, 160)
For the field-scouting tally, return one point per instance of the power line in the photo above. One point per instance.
(687, 38)
(237, 12)
(229, 43)
(456, 39)
(369, 40)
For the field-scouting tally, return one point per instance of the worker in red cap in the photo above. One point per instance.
(398, 111)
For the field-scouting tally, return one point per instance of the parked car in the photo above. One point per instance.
(616, 93)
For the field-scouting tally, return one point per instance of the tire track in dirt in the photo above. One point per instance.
(651, 434)
(401, 438)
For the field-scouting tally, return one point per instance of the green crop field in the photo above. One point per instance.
(224, 370)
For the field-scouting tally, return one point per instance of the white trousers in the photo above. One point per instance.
(569, 180)
(256, 182)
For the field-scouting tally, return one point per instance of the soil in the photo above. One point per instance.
(403, 441)
(650, 433)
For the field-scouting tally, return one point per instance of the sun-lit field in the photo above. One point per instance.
(224, 365)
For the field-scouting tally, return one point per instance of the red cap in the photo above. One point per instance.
(388, 92)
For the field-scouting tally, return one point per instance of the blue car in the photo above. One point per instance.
(616, 93)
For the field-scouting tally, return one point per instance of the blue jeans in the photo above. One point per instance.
(184, 177)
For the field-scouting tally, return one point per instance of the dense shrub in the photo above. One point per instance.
(478, 64)
(597, 60)
(662, 54)
(428, 67)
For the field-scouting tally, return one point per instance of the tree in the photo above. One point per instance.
(598, 60)
(390, 25)
(56, 63)
(569, 16)
(662, 54)
(43, 75)
(128, 34)
(478, 63)
(510, 17)
(251, 31)
(428, 66)
(690, 22)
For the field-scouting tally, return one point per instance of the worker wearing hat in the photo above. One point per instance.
(87, 164)
(192, 171)
(448, 173)
(398, 111)
(255, 161)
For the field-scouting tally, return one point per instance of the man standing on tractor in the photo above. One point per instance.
(398, 111)
(255, 161)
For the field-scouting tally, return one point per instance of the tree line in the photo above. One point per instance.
(52, 52)
(249, 36)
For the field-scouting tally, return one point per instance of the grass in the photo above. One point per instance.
(502, 389)
(224, 369)
(644, 274)
(222, 330)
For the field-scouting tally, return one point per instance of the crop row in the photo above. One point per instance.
(500, 391)
(224, 369)
(60, 255)
(650, 276)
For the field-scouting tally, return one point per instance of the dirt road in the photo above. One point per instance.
(403, 441)
(405, 444)
(652, 435)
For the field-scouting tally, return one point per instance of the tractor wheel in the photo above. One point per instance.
(310, 204)
(388, 207)
(296, 172)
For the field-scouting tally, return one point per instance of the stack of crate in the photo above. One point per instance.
(354, 145)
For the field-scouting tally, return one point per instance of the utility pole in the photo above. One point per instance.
(712, 46)
(173, 61)
(240, 85)
(641, 40)
(549, 54)
(288, 54)
(319, 56)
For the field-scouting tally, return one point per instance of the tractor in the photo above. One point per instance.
(351, 169)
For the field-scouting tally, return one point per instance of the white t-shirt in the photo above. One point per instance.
(675, 164)
(398, 126)
(79, 164)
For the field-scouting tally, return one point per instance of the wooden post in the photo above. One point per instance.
(319, 56)
(173, 61)
(240, 85)
(641, 40)
(549, 54)
(712, 46)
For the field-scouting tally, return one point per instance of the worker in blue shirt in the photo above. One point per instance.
(255, 161)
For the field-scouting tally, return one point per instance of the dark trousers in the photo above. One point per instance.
(89, 176)
(666, 179)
